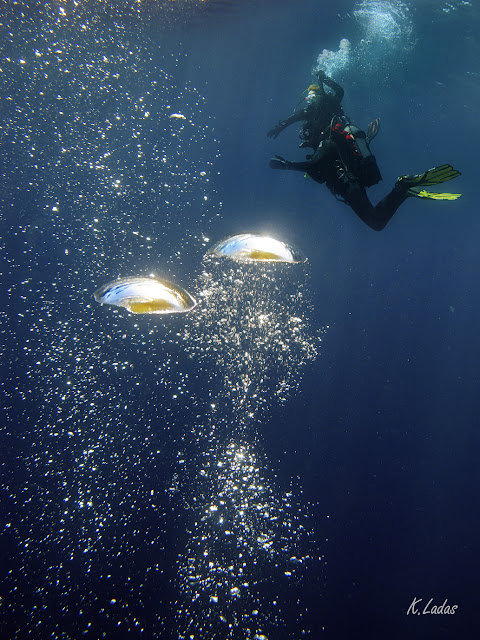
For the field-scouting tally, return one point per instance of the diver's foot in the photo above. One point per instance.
(279, 163)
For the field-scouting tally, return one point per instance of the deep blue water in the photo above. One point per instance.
(361, 460)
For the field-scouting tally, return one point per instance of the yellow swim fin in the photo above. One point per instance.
(437, 175)
(431, 195)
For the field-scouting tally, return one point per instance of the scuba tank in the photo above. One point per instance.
(355, 154)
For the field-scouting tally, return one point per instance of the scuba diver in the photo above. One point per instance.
(321, 107)
(343, 161)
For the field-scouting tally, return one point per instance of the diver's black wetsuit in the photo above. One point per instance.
(376, 216)
(325, 167)
(317, 116)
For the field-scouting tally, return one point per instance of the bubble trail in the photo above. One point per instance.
(97, 179)
(253, 335)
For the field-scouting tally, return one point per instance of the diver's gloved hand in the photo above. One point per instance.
(278, 128)
(279, 163)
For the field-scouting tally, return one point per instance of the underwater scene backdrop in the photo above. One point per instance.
(297, 455)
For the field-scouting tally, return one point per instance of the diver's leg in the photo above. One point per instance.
(406, 186)
(376, 217)
(386, 208)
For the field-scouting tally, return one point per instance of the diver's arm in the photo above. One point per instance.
(283, 124)
(337, 89)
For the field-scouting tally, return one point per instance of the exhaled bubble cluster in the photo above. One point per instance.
(251, 331)
(385, 20)
(385, 39)
(244, 536)
(253, 324)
